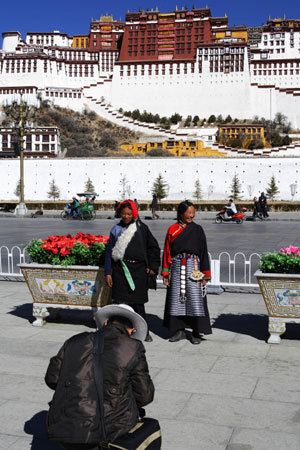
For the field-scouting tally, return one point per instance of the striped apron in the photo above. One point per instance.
(185, 294)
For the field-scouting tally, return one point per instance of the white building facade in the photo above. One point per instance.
(228, 76)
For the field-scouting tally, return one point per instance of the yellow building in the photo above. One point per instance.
(236, 33)
(80, 41)
(177, 148)
(244, 132)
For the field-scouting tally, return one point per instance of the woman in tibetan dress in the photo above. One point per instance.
(185, 272)
(132, 255)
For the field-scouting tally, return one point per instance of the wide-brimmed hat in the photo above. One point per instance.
(106, 312)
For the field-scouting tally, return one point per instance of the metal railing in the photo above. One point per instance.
(9, 260)
(226, 270)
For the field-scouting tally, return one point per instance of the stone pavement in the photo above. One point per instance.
(231, 392)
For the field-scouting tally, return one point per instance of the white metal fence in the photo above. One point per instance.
(226, 270)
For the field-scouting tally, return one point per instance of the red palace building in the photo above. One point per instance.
(153, 36)
(105, 38)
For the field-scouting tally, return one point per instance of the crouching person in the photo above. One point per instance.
(101, 379)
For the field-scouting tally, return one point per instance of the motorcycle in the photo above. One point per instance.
(84, 212)
(222, 216)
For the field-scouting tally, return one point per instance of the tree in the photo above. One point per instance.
(235, 188)
(272, 189)
(286, 140)
(280, 119)
(188, 120)
(125, 187)
(197, 193)
(228, 119)
(89, 187)
(175, 118)
(220, 119)
(196, 120)
(14, 113)
(54, 191)
(211, 119)
(160, 188)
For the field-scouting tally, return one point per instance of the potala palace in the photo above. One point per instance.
(184, 61)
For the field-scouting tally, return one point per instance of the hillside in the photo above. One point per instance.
(86, 134)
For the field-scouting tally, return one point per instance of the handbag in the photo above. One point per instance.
(145, 435)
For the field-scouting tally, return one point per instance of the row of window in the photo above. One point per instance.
(276, 64)
(153, 26)
(28, 138)
(77, 55)
(216, 51)
(156, 70)
(276, 72)
(36, 147)
(16, 91)
(226, 69)
(63, 94)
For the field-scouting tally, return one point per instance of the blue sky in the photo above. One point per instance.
(73, 17)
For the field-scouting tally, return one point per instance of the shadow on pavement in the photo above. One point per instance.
(255, 325)
(36, 426)
(23, 311)
(156, 326)
(56, 315)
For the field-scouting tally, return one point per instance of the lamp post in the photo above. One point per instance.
(20, 114)
(21, 209)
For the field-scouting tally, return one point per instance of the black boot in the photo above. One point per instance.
(196, 338)
(148, 338)
(178, 336)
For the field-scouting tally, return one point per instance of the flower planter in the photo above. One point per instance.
(71, 287)
(281, 293)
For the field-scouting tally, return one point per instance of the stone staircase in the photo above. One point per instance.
(287, 150)
(94, 98)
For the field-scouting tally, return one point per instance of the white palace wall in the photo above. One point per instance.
(199, 94)
(215, 175)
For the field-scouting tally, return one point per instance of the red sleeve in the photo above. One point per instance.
(166, 256)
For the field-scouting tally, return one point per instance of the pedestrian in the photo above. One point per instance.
(256, 209)
(39, 212)
(263, 204)
(185, 273)
(136, 203)
(101, 379)
(132, 260)
(117, 212)
(154, 207)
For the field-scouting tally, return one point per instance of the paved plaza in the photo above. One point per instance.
(231, 392)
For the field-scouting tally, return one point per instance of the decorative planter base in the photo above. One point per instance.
(58, 287)
(281, 293)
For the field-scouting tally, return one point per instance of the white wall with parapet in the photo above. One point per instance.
(215, 175)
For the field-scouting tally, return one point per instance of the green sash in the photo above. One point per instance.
(128, 275)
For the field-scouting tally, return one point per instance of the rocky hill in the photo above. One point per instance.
(86, 134)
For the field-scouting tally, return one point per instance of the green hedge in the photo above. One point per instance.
(59, 205)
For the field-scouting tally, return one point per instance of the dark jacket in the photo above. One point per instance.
(74, 411)
(141, 253)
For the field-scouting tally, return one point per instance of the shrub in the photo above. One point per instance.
(287, 260)
(82, 250)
